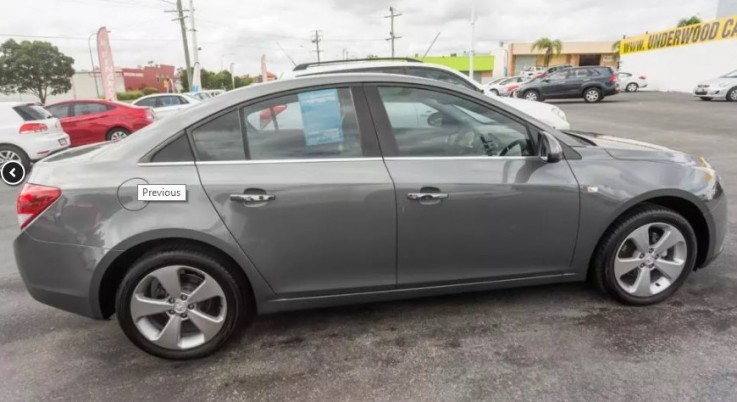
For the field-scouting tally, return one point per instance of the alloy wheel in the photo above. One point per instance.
(8, 155)
(632, 87)
(650, 259)
(118, 135)
(592, 95)
(178, 307)
(531, 95)
(732, 95)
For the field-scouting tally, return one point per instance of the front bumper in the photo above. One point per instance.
(711, 93)
(60, 275)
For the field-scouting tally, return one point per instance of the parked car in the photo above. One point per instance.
(166, 104)
(361, 198)
(630, 82)
(532, 71)
(502, 87)
(29, 133)
(591, 83)
(94, 120)
(552, 69)
(724, 87)
(548, 114)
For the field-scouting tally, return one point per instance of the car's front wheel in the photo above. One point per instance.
(531, 95)
(180, 304)
(592, 95)
(732, 95)
(646, 256)
(494, 92)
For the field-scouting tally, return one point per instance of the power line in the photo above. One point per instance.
(316, 41)
(392, 36)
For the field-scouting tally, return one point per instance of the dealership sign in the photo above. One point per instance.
(709, 31)
(107, 67)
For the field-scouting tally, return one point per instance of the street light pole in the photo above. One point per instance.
(221, 60)
(92, 61)
(232, 75)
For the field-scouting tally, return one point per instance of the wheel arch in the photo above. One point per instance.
(592, 85)
(682, 202)
(113, 268)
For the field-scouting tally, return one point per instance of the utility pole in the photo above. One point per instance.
(183, 25)
(316, 41)
(473, 26)
(195, 48)
(392, 36)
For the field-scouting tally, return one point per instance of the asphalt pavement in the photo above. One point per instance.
(560, 342)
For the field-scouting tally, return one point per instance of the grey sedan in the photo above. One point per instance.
(352, 188)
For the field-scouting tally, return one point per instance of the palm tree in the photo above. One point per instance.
(549, 47)
(615, 52)
(693, 20)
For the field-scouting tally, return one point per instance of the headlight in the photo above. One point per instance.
(556, 111)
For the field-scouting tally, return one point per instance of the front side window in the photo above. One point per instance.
(434, 124)
(312, 124)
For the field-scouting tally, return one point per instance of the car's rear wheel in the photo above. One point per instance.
(531, 95)
(180, 304)
(12, 153)
(592, 95)
(631, 87)
(117, 134)
(646, 256)
(732, 95)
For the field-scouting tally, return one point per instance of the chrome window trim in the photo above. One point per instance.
(451, 158)
(275, 161)
(186, 163)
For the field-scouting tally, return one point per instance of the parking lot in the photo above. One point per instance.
(561, 342)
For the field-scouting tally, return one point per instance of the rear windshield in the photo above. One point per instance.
(32, 112)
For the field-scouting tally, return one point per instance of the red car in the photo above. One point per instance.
(93, 120)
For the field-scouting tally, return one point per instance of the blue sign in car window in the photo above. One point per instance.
(321, 117)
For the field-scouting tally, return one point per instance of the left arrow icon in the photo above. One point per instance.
(12, 173)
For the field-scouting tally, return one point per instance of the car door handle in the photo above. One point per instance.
(427, 196)
(252, 197)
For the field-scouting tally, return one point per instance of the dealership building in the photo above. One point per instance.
(521, 55)
(679, 58)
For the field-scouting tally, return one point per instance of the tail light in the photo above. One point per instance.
(613, 78)
(29, 128)
(143, 113)
(642, 77)
(33, 200)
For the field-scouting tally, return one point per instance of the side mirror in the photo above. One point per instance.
(549, 148)
(435, 120)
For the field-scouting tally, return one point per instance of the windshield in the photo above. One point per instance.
(733, 74)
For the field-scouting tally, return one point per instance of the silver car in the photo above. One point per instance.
(352, 188)
(724, 88)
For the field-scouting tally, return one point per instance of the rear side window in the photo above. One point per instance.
(312, 124)
(439, 75)
(175, 151)
(81, 109)
(32, 112)
(150, 102)
(220, 139)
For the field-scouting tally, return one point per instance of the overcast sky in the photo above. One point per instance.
(241, 31)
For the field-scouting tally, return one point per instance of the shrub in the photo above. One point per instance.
(150, 90)
(129, 95)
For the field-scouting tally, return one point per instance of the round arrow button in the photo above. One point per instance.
(13, 173)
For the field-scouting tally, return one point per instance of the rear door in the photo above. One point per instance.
(298, 180)
(474, 201)
(87, 123)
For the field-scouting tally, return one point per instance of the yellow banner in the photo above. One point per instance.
(709, 31)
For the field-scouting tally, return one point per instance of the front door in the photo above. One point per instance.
(554, 85)
(474, 201)
(299, 182)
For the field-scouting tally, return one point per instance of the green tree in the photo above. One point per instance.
(693, 20)
(548, 47)
(36, 67)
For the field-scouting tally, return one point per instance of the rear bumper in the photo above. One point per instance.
(41, 146)
(60, 275)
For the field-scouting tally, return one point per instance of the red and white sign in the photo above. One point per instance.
(107, 67)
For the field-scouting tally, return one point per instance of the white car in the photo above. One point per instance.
(506, 86)
(724, 87)
(166, 104)
(28, 133)
(548, 114)
(629, 82)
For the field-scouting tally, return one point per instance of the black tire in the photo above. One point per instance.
(237, 295)
(602, 269)
(631, 87)
(120, 130)
(732, 95)
(24, 159)
(704, 98)
(495, 92)
(532, 94)
(592, 95)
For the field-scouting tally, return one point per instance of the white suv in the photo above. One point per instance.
(546, 113)
(28, 133)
